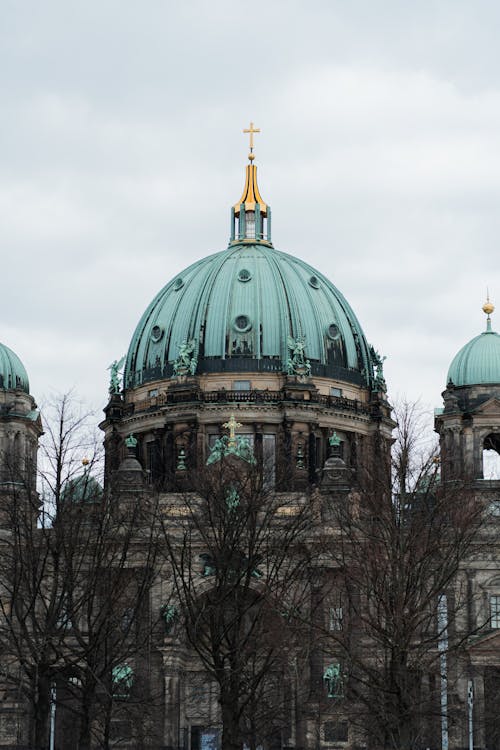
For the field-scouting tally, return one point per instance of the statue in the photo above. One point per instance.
(232, 498)
(114, 380)
(333, 680)
(186, 361)
(209, 568)
(169, 615)
(232, 444)
(123, 679)
(297, 364)
(379, 383)
(131, 441)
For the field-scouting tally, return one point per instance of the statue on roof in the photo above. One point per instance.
(379, 383)
(186, 362)
(297, 363)
(114, 379)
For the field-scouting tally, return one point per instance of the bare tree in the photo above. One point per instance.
(77, 567)
(240, 566)
(395, 549)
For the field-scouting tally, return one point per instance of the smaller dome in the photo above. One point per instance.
(82, 489)
(13, 376)
(478, 362)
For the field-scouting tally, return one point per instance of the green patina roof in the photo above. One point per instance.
(478, 362)
(13, 376)
(239, 307)
(82, 489)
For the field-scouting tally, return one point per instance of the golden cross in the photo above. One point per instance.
(251, 130)
(231, 425)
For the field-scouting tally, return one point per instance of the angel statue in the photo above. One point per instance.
(114, 379)
(297, 363)
(186, 360)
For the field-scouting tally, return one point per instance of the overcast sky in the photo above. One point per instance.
(122, 152)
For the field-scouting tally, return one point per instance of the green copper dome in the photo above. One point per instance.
(237, 311)
(249, 308)
(478, 362)
(13, 376)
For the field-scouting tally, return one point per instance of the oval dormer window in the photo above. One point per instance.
(314, 282)
(333, 331)
(178, 284)
(242, 323)
(244, 275)
(156, 333)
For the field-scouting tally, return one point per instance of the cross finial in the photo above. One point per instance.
(231, 425)
(251, 130)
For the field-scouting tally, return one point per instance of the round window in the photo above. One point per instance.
(333, 331)
(244, 275)
(178, 284)
(242, 323)
(314, 282)
(156, 333)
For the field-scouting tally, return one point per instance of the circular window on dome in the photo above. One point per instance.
(242, 323)
(178, 284)
(156, 333)
(244, 275)
(333, 331)
(314, 282)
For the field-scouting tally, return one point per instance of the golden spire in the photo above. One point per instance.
(251, 196)
(488, 308)
(251, 130)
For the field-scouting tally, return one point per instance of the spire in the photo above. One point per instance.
(488, 308)
(253, 215)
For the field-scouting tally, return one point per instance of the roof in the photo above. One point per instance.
(238, 310)
(478, 362)
(13, 376)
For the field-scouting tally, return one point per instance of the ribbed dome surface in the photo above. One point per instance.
(239, 307)
(477, 362)
(13, 376)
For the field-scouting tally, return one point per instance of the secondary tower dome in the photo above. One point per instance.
(242, 309)
(13, 375)
(478, 362)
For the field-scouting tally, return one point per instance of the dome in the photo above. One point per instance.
(82, 489)
(238, 309)
(13, 376)
(478, 362)
(249, 308)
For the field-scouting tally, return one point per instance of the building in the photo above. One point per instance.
(258, 343)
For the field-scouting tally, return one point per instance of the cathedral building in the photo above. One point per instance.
(253, 355)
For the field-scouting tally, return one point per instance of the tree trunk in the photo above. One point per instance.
(41, 708)
(230, 720)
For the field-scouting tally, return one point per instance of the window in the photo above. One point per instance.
(241, 385)
(495, 611)
(153, 392)
(336, 392)
(269, 461)
(335, 731)
(336, 618)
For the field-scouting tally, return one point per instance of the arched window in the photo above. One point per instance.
(491, 456)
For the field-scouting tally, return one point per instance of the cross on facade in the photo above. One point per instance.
(231, 425)
(251, 130)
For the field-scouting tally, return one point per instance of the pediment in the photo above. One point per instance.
(486, 643)
(491, 406)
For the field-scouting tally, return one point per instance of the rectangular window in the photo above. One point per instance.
(495, 611)
(153, 392)
(336, 618)
(241, 385)
(335, 731)
(269, 461)
(336, 392)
